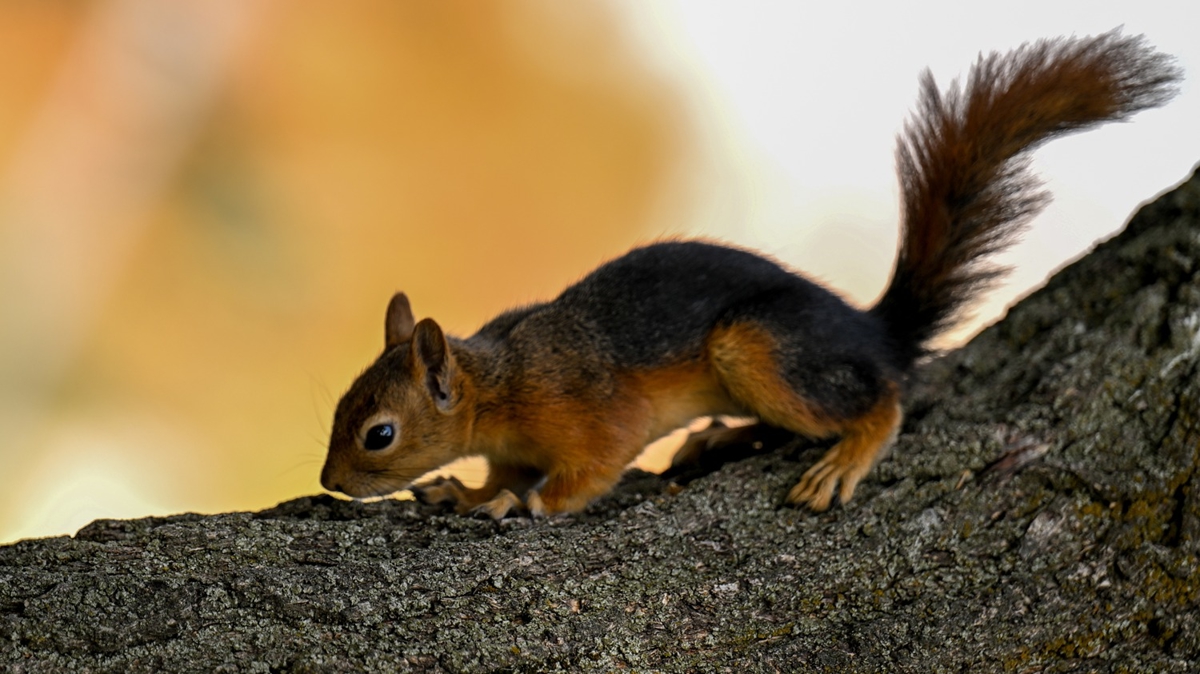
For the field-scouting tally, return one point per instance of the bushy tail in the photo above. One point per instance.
(963, 170)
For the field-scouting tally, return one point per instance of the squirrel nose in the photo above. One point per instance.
(328, 481)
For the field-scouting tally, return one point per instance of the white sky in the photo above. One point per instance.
(802, 102)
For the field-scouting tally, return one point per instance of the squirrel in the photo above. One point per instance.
(561, 396)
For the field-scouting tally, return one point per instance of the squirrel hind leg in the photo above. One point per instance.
(856, 403)
(864, 441)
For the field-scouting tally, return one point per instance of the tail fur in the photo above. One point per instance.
(962, 163)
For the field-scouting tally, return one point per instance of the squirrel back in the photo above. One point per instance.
(962, 164)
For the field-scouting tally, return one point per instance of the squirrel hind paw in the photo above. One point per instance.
(832, 474)
(848, 462)
(815, 489)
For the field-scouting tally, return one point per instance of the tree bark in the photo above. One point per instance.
(1040, 513)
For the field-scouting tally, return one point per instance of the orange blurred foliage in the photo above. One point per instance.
(475, 155)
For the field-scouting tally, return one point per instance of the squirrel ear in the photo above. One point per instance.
(431, 349)
(398, 325)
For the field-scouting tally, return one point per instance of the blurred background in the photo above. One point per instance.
(205, 205)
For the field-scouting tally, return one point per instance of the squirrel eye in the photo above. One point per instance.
(379, 437)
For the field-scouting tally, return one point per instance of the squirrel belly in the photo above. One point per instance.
(560, 396)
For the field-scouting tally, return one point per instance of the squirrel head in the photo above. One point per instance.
(406, 415)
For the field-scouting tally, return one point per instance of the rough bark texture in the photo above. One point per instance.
(1040, 514)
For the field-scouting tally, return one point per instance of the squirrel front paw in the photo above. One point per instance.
(449, 490)
(507, 503)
